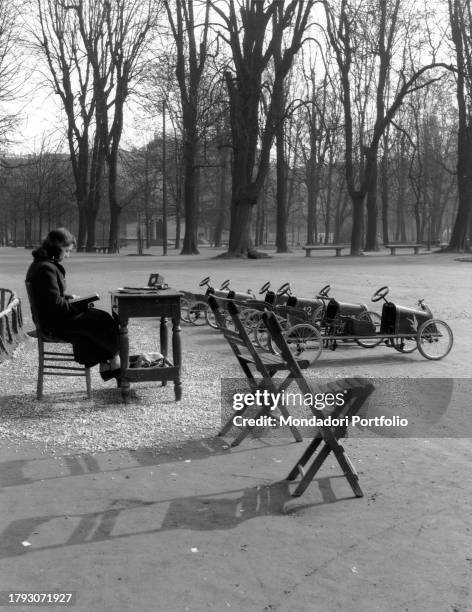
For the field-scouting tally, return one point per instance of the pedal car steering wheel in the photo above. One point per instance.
(224, 285)
(323, 293)
(380, 293)
(205, 281)
(265, 287)
(284, 289)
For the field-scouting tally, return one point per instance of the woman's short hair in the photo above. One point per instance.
(56, 240)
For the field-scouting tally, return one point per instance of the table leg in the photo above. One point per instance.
(177, 355)
(124, 359)
(163, 337)
(164, 341)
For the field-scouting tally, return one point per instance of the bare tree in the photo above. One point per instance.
(320, 144)
(10, 61)
(37, 194)
(191, 56)
(93, 50)
(346, 29)
(461, 32)
(114, 33)
(253, 31)
(70, 75)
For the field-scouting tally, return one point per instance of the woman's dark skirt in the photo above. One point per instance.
(94, 336)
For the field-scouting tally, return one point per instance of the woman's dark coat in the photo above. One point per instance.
(93, 332)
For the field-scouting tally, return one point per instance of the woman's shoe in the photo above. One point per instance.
(109, 374)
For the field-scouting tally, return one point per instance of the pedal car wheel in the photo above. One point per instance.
(197, 313)
(304, 341)
(434, 339)
(210, 317)
(262, 336)
(370, 317)
(184, 306)
(250, 318)
(318, 315)
(404, 345)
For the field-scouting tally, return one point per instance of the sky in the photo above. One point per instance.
(41, 113)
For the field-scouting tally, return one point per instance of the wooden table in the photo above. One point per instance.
(164, 304)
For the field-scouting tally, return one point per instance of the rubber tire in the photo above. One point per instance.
(197, 313)
(422, 332)
(298, 337)
(369, 315)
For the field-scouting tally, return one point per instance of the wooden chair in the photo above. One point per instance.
(51, 363)
(258, 367)
(325, 440)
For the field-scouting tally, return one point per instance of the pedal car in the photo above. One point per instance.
(402, 328)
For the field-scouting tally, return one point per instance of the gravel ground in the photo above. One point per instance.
(153, 419)
(67, 418)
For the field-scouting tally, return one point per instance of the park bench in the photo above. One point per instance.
(326, 438)
(259, 367)
(324, 247)
(393, 247)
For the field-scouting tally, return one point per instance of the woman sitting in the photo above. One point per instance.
(92, 332)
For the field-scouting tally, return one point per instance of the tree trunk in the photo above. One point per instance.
(468, 240)
(113, 238)
(91, 229)
(281, 195)
(190, 242)
(240, 244)
(329, 196)
(178, 198)
(464, 182)
(94, 194)
(400, 231)
(312, 200)
(244, 195)
(357, 231)
(278, 102)
(177, 225)
(385, 197)
(417, 214)
(221, 203)
(371, 229)
(260, 220)
(400, 234)
(82, 230)
(115, 208)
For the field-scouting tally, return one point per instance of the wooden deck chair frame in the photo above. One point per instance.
(258, 367)
(326, 439)
(51, 363)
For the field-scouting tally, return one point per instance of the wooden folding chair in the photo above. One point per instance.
(258, 367)
(325, 441)
(51, 363)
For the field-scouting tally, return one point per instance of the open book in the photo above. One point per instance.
(85, 300)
